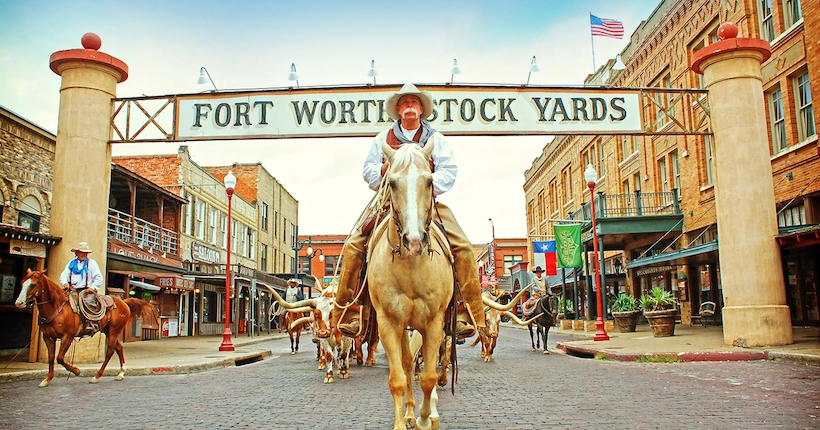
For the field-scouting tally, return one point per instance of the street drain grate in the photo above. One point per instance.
(248, 360)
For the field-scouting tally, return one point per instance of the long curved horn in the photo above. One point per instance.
(300, 303)
(300, 321)
(389, 152)
(508, 306)
(301, 309)
(518, 321)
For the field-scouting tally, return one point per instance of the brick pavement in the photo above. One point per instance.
(519, 390)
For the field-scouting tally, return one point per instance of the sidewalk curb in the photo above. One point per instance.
(576, 350)
(794, 358)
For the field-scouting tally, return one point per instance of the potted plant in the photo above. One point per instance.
(565, 313)
(625, 311)
(658, 307)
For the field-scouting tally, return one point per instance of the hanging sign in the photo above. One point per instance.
(461, 110)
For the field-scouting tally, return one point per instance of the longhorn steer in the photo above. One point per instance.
(488, 336)
(333, 347)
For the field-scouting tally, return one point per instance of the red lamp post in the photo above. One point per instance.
(591, 177)
(227, 345)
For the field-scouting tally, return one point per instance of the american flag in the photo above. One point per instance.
(606, 27)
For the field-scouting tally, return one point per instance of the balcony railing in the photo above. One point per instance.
(628, 205)
(142, 233)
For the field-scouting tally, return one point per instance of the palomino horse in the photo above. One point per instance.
(58, 321)
(410, 281)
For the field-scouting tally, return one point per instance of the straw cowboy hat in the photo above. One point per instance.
(294, 280)
(82, 247)
(537, 269)
(424, 96)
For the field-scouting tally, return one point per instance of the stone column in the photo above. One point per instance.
(82, 165)
(754, 295)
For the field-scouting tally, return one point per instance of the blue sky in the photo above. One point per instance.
(252, 44)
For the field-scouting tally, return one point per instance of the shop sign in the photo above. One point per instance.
(204, 253)
(654, 270)
(175, 284)
(133, 253)
(21, 247)
(463, 110)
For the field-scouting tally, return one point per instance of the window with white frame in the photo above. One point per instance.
(792, 216)
(200, 219)
(625, 150)
(264, 216)
(791, 12)
(709, 161)
(511, 260)
(778, 123)
(251, 243)
(212, 221)
(675, 163)
(764, 11)
(263, 258)
(223, 230)
(234, 240)
(636, 143)
(292, 235)
(805, 110)
(663, 175)
(243, 240)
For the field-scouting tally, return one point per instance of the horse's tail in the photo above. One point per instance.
(477, 339)
(141, 308)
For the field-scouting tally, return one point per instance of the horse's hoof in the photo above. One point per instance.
(328, 380)
(533, 350)
(119, 378)
(94, 380)
(44, 384)
(546, 352)
(436, 423)
(410, 422)
(292, 352)
(344, 375)
(423, 423)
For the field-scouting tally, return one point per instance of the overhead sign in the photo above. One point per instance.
(460, 110)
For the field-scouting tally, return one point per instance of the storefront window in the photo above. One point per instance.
(209, 301)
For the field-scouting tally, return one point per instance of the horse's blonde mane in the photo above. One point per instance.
(405, 156)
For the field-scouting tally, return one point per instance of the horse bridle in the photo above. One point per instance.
(43, 320)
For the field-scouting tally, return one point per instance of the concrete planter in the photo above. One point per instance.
(566, 324)
(662, 322)
(626, 321)
(577, 324)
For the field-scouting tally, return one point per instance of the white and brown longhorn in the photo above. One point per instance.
(488, 336)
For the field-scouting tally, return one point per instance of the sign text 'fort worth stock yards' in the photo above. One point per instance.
(362, 112)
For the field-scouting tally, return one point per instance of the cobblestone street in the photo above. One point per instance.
(519, 390)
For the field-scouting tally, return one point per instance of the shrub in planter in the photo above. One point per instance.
(625, 312)
(565, 310)
(658, 310)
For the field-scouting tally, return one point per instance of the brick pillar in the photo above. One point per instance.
(755, 312)
(82, 164)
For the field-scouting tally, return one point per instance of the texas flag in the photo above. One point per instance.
(544, 253)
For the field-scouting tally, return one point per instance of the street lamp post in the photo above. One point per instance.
(309, 253)
(600, 332)
(227, 345)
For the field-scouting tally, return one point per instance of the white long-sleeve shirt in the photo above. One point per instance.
(78, 281)
(444, 163)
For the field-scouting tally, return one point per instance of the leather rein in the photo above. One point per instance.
(43, 321)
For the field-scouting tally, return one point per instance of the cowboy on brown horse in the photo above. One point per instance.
(82, 278)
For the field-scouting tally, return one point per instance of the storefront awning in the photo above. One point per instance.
(675, 257)
(144, 285)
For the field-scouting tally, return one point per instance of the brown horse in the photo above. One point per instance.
(410, 281)
(58, 321)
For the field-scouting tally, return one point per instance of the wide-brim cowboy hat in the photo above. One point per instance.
(408, 89)
(82, 247)
(294, 280)
(537, 269)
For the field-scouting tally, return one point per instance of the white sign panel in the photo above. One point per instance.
(361, 112)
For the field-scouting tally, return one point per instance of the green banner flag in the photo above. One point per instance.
(568, 245)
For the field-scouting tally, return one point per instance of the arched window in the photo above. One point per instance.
(28, 213)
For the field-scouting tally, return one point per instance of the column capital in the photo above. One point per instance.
(90, 54)
(729, 43)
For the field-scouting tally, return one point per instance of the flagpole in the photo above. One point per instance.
(592, 39)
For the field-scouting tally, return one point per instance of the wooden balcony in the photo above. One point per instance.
(128, 229)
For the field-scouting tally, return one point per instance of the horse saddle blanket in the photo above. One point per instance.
(92, 303)
(529, 307)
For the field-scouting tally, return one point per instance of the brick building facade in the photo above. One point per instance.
(656, 192)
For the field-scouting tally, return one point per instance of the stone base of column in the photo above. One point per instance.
(761, 325)
(89, 350)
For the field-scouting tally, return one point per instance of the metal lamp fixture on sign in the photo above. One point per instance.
(455, 70)
(533, 68)
(203, 72)
(293, 76)
(619, 65)
(372, 72)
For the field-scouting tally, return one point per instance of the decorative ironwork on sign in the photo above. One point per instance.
(458, 110)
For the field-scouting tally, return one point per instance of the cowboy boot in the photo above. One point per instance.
(470, 289)
(348, 281)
